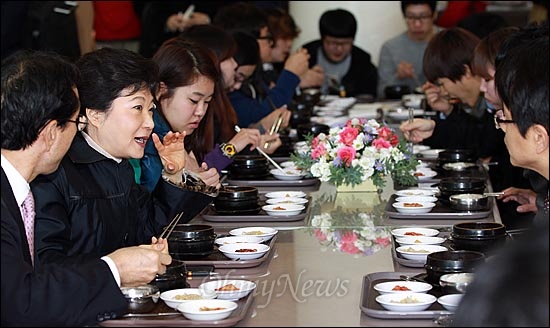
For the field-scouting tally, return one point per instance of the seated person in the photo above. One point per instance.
(225, 118)
(284, 30)
(187, 74)
(91, 205)
(248, 18)
(346, 66)
(400, 60)
(511, 289)
(453, 90)
(40, 117)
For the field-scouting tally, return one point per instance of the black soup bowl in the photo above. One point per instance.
(440, 263)
(191, 240)
(175, 277)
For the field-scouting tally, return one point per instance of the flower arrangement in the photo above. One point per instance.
(360, 150)
(354, 234)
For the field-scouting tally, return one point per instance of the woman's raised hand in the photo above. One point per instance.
(171, 151)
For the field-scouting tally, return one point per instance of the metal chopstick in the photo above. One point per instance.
(170, 227)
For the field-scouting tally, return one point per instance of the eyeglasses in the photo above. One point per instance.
(499, 120)
(421, 18)
(81, 122)
(335, 44)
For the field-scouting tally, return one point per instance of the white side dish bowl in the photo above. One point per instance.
(287, 174)
(406, 302)
(207, 309)
(419, 240)
(413, 207)
(264, 232)
(228, 289)
(238, 240)
(283, 209)
(414, 231)
(418, 252)
(175, 297)
(450, 301)
(400, 286)
(287, 194)
(244, 251)
(287, 200)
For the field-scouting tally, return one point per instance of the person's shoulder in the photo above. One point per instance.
(358, 52)
(396, 40)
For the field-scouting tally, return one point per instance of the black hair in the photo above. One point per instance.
(107, 72)
(405, 4)
(338, 23)
(522, 78)
(241, 16)
(248, 51)
(37, 87)
(448, 53)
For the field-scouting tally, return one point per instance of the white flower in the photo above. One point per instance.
(321, 170)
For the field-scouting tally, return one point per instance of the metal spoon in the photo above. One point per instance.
(410, 278)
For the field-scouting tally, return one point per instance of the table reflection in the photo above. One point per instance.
(349, 223)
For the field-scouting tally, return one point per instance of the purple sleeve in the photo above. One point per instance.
(216, 158)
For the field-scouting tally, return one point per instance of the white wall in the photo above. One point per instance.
(377, 21)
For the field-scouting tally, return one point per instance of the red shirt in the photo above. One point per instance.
(115, 20)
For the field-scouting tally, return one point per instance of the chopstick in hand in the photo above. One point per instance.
(237, 129)
(274, 129)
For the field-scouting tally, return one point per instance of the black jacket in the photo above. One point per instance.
(92, 206)
(55, 295)
(362, 77)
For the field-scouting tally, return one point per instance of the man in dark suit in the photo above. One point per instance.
(39, 120)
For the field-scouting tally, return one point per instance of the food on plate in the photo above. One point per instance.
(418, 174)
(400, 288)
(254, 232)
(187, 297)
(412, 204)
(279, 208)
(407, 300)
(412, 233)
(412, 250)
(206, 308)
(227, 288)
(246, 250)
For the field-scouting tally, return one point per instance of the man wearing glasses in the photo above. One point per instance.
(400, 61)
(347, 67)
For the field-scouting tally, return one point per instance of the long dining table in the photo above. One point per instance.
(312, 281)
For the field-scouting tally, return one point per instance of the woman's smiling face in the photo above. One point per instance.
(124, 128)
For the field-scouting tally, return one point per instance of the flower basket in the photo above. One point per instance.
(359, 153)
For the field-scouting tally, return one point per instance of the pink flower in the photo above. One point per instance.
(314, 142)
(349, 248)
(381, 143)
(385, 133)
(348, 243)
(320, 235)
(348, 135)
(383, 241)
(318, 151)
(347, 154)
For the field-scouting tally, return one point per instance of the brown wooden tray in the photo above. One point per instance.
(440, 211)
(178, 320)
(220, 261)
(210, 214)
(370, 307)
